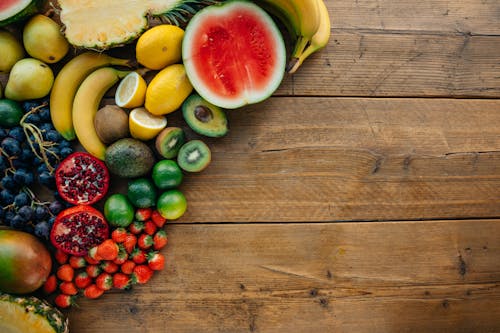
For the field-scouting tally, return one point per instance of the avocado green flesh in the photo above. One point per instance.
(213, 123)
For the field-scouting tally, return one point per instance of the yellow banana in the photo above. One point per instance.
(66, 84)
(284, 11)
(309, 19)
(318, 40)
(86, 103)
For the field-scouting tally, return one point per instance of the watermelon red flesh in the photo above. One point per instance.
(15, 10)
(234, 54)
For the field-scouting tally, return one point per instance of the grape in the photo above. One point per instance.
(4, 163)
(17, 133)
(8, 183)
(46, 127)
(23, 177)
(22, 199)
(42, 229)
(56, 207)
(66, 151)
(11, 146)
(6, 197)
(17, 222)
(53, 136)
(45, 114)
(41, 212)
(33, 119)
(19, 164)
(28, 105)
(26, 212)
(46, 179)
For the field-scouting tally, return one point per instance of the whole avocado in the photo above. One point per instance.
(129, 158)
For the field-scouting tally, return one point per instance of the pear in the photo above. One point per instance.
(12, 51)
(29, 79)
(43, 39)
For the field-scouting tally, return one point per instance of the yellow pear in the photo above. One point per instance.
(29, 79)
(43, 39)
(12, 51)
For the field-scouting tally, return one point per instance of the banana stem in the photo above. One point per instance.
(296, 62)
(301, 44)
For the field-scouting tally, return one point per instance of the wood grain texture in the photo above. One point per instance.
(440, 276)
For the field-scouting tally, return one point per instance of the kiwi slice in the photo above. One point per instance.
(169, 141)
(194, 156)
(203, 117)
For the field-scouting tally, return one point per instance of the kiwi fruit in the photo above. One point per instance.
(111, 123)
(194, 156)
(203, 117)
(169, 141)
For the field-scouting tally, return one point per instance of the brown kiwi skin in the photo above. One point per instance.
(111, 124)
(164, 137)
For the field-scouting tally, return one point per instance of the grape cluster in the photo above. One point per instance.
(29, 154)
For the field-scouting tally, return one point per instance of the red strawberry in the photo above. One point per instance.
(119, 235)
(92, 254)
(93, 291)
(77, 262)
(136, 227)
(143, 214)
(160, 239)
(156, 261)
(158, 219)
(122, 255)
(104, 281)
(61, 257)
(121, 281)
(50, 284)
(150, 227)
(68, 288)
(129, 243)
(65, 272)
(145, 241)
(107, 250)
(109, 267)
(93, 271)
(138, 256)
(91, 261)
(64, 301)
(141, 274)
(128, 267)
(82, 280)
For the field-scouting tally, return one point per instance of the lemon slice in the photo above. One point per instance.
(144, 125)
(131, 91)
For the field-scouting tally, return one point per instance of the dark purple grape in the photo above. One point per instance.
(66, 151)
(33, 118)
(22, 199)
(28, 105)
(4, 163)
(9, 183)
(44, 114)
(26, 212)
(46, 127)
(56, 207)
(6, 197)
(20, 164)
(3, 133)
(18, 134)
(24, 177)
(53, 136)
(11, 146)
(46, 179)
(41, 212)
(42, 229)
(17, 222)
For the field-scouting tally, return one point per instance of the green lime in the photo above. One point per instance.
(141, 192)
(118, 211)
(11, 113)
(167, 174)
(171, 204)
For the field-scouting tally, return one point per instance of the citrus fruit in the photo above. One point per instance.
(118, 210)
(12, 51)
(160, 46)
(131, 91)
(141, 192)
(166, 174)
(171, 204)
(144, 125)
(168, 89)
(10, 113)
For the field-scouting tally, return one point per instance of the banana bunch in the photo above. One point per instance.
(76, 94)
(308, 23)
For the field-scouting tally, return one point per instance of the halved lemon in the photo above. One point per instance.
(144, 125)
(131, 91)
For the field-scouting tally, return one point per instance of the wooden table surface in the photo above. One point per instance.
(364, 196)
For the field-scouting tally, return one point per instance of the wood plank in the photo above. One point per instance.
(439, 276)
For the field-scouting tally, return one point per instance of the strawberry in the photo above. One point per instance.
(121, 281)
(156, 261)
(119, 234)
(158, 219)
(122, 255)
(92, 253)
(138, 256)
(65, 272)
(129, 243)
(149, 227)
(64, 301)
(109, 267)
(50, 284)
(145, 241)
(160, 239)
(136, 227)
(141, 274)
(104, 281)
(143, 214)
(91, 261)
(61, 257)
(93, 271)
(77, 262)
(68, 288)
(128, 267)
(82, 280)
(92, 291)
(107, 250)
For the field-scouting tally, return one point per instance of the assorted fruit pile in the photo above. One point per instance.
(72, 118)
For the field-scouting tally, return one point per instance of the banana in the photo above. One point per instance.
(66, 84)
(318, 40)
(309, 19)
(85, 105)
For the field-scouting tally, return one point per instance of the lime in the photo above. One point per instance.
(141, 192)
(11, 113)
(118, 211)
(167, 174)
(171, 204)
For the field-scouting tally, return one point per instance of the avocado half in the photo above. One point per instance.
(203, 117)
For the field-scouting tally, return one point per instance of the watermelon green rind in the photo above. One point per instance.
(22, 11)
(195, 63)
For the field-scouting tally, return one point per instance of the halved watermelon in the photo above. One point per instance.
(234, 54)
(15, 10)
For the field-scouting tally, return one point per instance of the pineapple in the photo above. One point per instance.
(102, 24)
(29, 315)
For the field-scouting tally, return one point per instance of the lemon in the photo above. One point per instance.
(145, 126)
(12, 51)
(168, 89)
(160, 46)
(131, 91)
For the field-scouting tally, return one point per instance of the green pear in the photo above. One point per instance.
(29, 79)
(43, 39)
